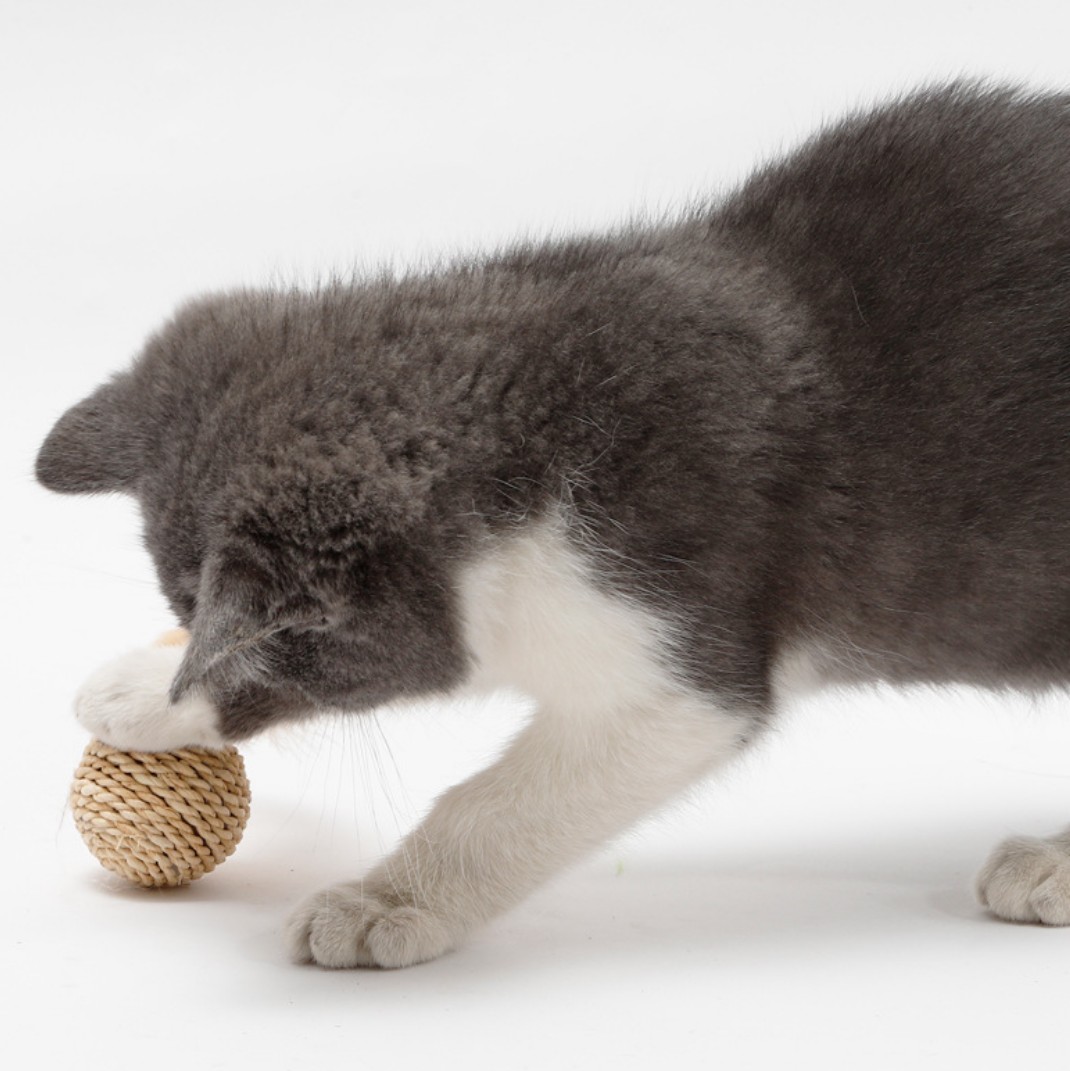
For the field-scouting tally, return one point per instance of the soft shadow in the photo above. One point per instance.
(860, 893)
(769, 901)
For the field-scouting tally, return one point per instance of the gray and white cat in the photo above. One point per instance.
(657, 479)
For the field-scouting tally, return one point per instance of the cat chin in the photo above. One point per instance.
(125, 704)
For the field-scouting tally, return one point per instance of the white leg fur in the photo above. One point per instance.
(613, 738)
(1027, 879)
(125, 704)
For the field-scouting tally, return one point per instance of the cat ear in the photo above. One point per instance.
(95, 446)
(230, 621)
(238, 616)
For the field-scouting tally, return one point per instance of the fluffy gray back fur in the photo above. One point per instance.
(831, 410)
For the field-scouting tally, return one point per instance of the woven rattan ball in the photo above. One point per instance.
(160, 818)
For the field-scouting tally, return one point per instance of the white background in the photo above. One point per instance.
(813, 908)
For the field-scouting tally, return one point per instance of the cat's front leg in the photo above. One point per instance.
(565, 785)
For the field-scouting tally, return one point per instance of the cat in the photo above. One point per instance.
(660, 479)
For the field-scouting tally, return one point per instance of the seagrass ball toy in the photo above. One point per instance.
(160, 818)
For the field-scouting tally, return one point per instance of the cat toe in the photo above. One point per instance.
(330, 928)
(1027, 879)
(350, 926)
(126, 703)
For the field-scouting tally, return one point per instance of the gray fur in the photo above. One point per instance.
(831, 410)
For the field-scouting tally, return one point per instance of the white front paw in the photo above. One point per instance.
(1027, 879)
(125, 704)
(351, 925)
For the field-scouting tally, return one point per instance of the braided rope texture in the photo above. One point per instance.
(163, 818)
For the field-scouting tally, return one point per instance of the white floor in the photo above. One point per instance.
(814, 909)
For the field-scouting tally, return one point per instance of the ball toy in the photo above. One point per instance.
(160, 818)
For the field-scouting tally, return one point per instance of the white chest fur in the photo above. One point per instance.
(536, 621)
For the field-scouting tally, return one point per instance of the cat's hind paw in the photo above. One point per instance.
(1027, 879)
(351, 926)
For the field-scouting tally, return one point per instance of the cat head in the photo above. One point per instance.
(287, 508)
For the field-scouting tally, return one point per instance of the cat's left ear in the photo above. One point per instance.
(95, 446)
(237, 618)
